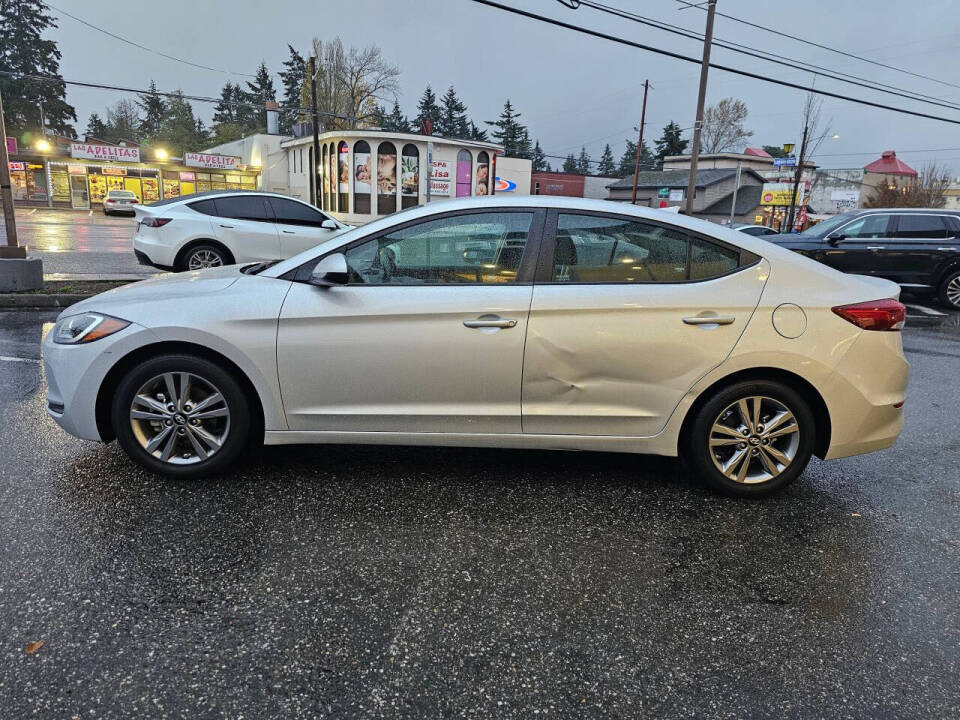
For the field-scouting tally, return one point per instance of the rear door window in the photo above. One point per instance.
(922, 227)
(243, 207)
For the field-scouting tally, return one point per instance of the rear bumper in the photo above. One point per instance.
(144, 260)
(151, 251)
(862, 395)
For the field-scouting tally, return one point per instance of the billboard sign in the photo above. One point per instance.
(780, 194)
(92, 151)
(211, 161)
(845, 199)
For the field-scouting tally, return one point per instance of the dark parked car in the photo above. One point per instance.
(919, 249)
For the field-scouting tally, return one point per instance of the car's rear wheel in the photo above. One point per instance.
(203, 256)
(181, 415)
(949, 291)
(751, 439)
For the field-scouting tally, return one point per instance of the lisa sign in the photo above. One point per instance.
(89, 151)
(213, 162)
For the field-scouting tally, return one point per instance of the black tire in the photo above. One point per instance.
(696, 451)
(944, 291)
(239, 429)
(201, 248)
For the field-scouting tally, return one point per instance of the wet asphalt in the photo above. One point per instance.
(396, 582)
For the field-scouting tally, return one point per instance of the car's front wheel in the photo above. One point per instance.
(181, 415)
(949, 290)
(751, 439)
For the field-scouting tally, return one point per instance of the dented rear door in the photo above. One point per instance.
(615, 358)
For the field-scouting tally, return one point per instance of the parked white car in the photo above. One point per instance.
(216, 228)
(120, 201)
(518, 322)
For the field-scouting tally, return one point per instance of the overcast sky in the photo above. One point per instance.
(572, 90)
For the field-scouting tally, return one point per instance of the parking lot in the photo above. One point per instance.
(401, 582)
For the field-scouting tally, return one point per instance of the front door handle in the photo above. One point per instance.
(710, 320)
(876, 247)
(288, 232)
(490, 322)
(947, 249)
(229, 227)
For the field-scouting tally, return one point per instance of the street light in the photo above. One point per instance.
(160, 154)
(42, 146)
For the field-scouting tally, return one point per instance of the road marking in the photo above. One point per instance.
(926, 310)
(32, 212)
(8, 358)
(90, 214)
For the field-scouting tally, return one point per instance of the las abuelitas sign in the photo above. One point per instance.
(91, 151)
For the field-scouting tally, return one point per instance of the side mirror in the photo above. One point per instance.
(329, 224)
(330, 271)
(835, 239)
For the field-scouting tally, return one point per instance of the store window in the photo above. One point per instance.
(60, 183)
(409, 176)
(36, 182)
(218, 181)
(464, 173)
(386, 178)
(361, 177)
(248, 182)
(171, 184)
(343, 176)
(18, 180)
(233, 182)
(325, 181)
(483, 174)
(151, 188)
(203, 182)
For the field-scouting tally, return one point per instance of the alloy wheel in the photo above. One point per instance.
(754, 439)
(180, 418)
(203, 258)
(953, 291)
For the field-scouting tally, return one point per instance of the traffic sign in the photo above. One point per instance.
(663, 192)
(781, 162)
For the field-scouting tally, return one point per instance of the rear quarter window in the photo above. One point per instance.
(207, 207)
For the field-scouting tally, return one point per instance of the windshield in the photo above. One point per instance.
(825, 227)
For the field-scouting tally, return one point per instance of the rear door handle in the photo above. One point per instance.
(494, 322)
(230, 227)
(947, 249)
(710, 320)
(288, 232)
(876, 247)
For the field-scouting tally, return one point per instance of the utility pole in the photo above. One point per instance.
(643, 117)
(13, 249)
(736, 187)
(315, 121)
(701, 98)
(796, 179)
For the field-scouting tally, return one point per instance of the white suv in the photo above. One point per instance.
(227, 227)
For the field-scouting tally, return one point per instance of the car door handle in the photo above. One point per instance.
(288, 232)
(947, 249)
(876, 247)
(494, 322)
(710, 320)
(229, 227)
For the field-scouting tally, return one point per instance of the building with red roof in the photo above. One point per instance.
(889, 164)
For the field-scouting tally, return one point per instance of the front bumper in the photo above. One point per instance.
(75, 374)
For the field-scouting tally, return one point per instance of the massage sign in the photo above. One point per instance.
(90, 151)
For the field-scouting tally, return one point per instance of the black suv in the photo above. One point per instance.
(919, 249)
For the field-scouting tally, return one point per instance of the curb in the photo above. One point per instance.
(31, 301)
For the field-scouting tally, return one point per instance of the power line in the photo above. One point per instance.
(781, 34)
(725, 68)
(141, 47)
(784, 61)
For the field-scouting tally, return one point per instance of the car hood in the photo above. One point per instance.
(168, 287)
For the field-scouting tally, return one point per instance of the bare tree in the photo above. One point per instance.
(817, 126)
(929, 190)
(350, 82)
(723, 126)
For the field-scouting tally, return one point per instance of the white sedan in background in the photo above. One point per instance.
(532, 322)
(216, 228)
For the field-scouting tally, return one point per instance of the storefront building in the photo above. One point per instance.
(364, 174)
(79, 175)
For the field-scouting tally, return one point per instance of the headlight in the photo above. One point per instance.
(85, 328)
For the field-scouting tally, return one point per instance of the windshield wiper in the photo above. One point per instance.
(257, 268)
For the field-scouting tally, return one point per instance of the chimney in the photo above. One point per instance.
(273, 118)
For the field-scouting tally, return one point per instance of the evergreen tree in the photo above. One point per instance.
(548, 168)
(669, 143)
(153, 108)
(570, 164)
(96, 127)
(224, 111)
(24, 51)
(396, 121)
(292, 77)
(180, 130)
(583, 162)
(379, 116)
(511, 133)
(257, 95)
(629, 159)
(538, 158)
(427, 108)
(123, 122)
(774, 151)
(453, 116)
(606, 166)
(477, 134)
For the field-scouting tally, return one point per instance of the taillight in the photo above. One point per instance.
(155, 222)
(875, 314)
(134, 201)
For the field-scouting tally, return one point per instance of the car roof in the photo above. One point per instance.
(935, 211)
(219, 193)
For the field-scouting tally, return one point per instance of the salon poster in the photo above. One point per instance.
(343, 170)
(386, 174)
(409, 175)
(361, 173)
(483, 173)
